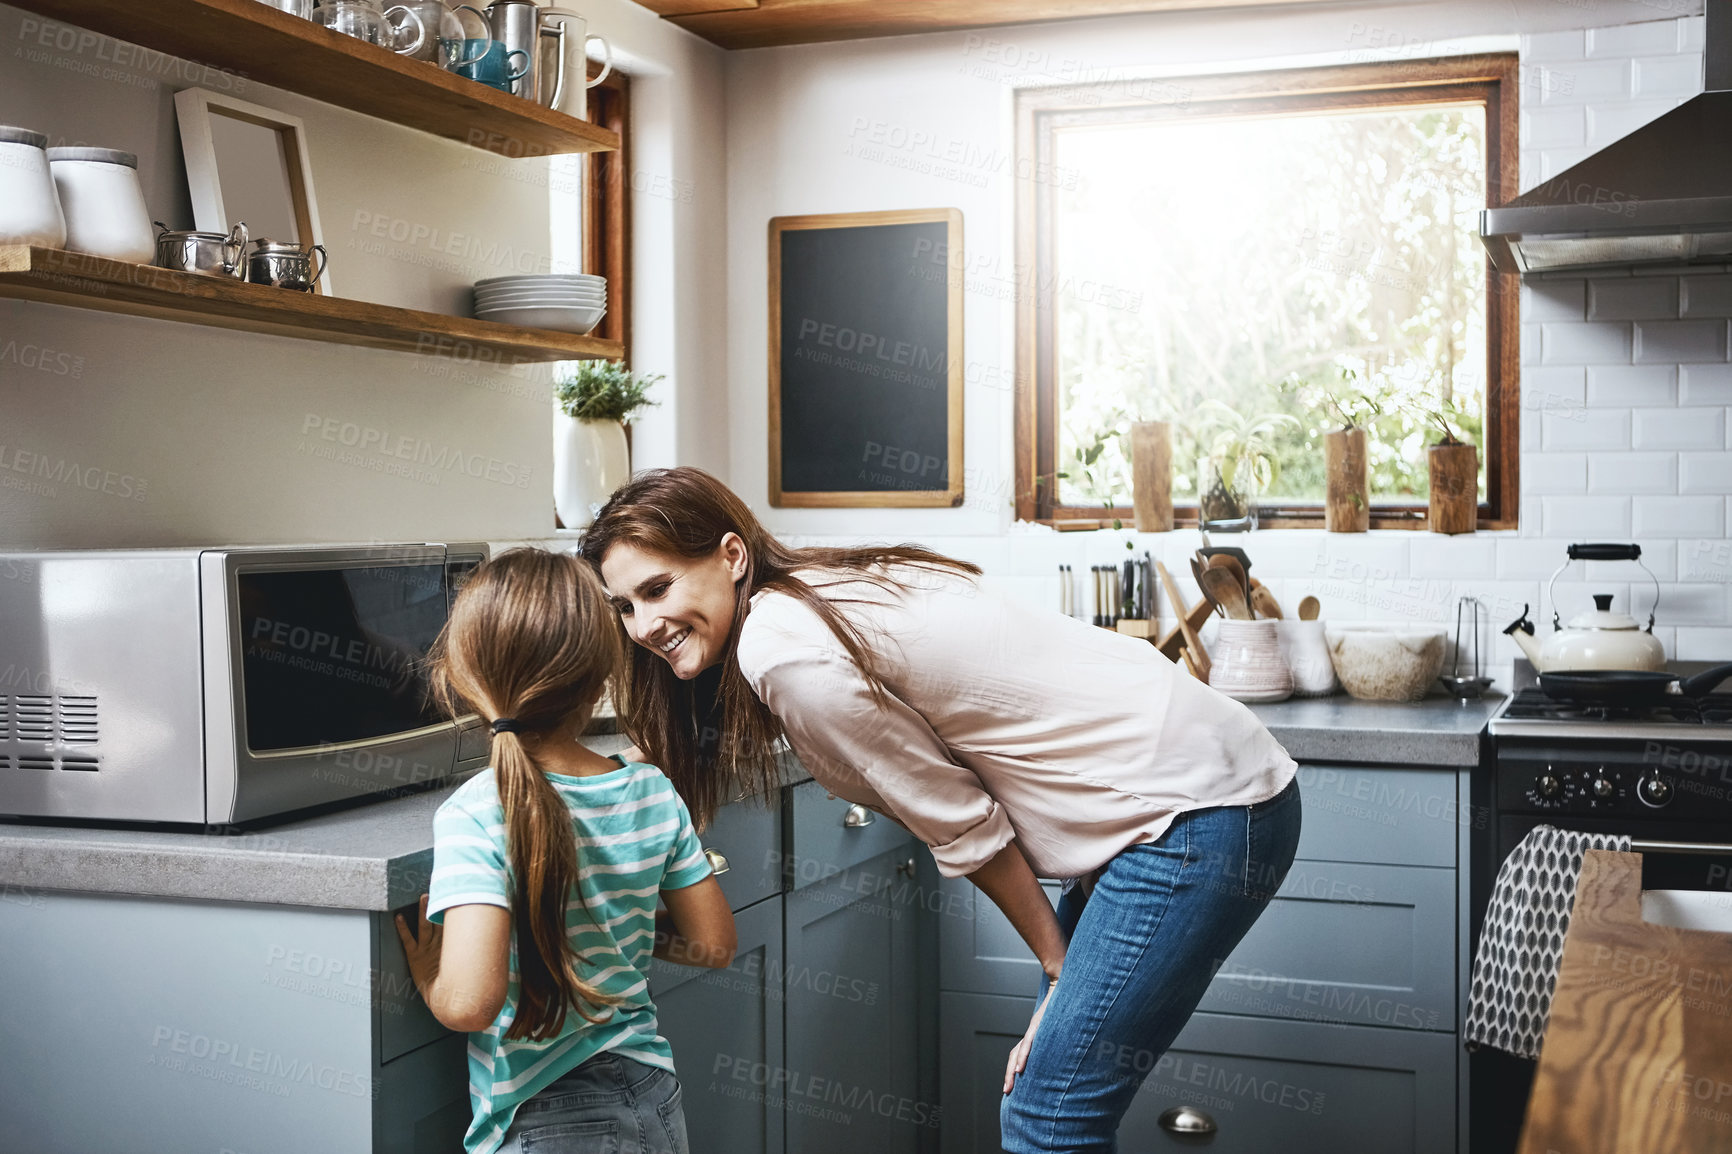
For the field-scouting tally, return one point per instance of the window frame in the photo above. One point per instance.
(607, 206)
(1490, 79)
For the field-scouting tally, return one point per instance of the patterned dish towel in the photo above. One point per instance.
(1516, 968)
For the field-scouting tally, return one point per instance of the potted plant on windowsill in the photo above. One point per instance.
(1346, 491)
(590, 455)
(1453, 503)
(1238, 464)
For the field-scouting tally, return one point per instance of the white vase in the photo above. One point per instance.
(1308, 658)
(590, 461)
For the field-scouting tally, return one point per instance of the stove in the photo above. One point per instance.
(1661, 775)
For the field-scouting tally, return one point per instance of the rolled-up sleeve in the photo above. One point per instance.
(838, 731)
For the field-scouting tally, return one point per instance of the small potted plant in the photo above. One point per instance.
(1453, 505)
(1237, 465)
(590, 455)
(1346, 492)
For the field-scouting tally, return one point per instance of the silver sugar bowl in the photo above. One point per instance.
(283, 264)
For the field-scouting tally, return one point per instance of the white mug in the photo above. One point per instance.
(574, 97)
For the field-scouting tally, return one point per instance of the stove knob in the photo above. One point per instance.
(1654, 790)
(1549, 786)
(1603, 788)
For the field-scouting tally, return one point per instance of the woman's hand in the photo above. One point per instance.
(422, 950)
(1019, 1053)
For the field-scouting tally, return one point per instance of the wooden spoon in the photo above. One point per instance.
(1231, 564)
(1264, 601)
(1308, 608)
(1225, 591)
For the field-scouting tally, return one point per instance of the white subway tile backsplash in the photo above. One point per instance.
(1556, 160)
(1546, 47)
(1648, 473)
(1672, 342)
(1522, 557)
(1629, 385)
(1469, 555)
(1586, 429)
(1565, 127)
(1633, 299)
(1705, 559)
(1686, 604)
(1579, 82)
(1705, 384)
(1704, 643)
(1533, 343)
(1554, 474)
(1611, 122)
(1679, 428)
(1660, 556)
(1677, 77)
(1653, 38)
(1705, 472)
(1707, 296)
(1586, 344)
(1554, 387)
(1678, 516)
(1554, 300)
(1586, 518)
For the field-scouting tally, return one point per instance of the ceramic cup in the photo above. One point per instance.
(1248, 662)
(1307, 651)
(487, 62)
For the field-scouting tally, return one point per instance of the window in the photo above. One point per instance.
(1260, 240)
(607, 206)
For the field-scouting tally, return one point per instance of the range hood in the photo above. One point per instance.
(1661, 195)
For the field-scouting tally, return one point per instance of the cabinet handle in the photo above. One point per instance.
(906, 869)
(857, 817)
(1187, 1120)
(718, 863)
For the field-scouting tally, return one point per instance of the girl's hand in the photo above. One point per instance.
(1019, 1053)
(422, 949)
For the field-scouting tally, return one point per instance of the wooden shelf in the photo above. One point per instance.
(261, 44)
(69, 278)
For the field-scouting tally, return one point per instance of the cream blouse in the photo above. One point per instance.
(1002, 722)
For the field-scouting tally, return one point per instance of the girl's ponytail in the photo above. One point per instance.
(531, 640)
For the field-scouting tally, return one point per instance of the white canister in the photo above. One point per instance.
(590, 460)
(29, 207)
(104, 204)
(1308, 658)
(1248, 664)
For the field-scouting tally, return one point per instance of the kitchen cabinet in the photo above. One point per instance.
(1331, 1026)
(726, 1030)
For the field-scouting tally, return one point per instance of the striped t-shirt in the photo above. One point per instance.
(634, 839)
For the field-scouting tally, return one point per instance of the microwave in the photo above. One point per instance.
(221, 686)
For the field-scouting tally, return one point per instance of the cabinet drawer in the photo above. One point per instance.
(404, 1021)
(825, 844)
(1296, 1087)
(1344, 942)
(749, 835)
(1389, 816)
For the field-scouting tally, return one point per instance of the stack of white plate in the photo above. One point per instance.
(571, 303)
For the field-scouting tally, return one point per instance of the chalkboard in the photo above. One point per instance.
(866, 359)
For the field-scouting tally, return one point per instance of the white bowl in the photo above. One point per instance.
(540, 295)
(1387, 662)
(565, 320)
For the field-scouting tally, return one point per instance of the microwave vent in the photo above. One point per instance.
(30, 761)
(45, 718)
(83, 762)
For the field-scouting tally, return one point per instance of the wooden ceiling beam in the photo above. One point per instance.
(771, 23)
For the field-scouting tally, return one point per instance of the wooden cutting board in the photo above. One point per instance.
(1637, 1057)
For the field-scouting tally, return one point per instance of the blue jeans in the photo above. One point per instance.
(608, 1105)
(1162, 918)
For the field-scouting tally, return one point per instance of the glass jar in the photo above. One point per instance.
(1226, 500)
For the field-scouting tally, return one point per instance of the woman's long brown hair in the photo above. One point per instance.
(712, 732)
(532, 637)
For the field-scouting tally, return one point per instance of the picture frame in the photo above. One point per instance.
(245, 162)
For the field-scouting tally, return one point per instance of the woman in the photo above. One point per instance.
(1016, 743)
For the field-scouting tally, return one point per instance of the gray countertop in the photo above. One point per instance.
(1436, 731)
(378, 856)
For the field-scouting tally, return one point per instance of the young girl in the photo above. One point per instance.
(546, 869)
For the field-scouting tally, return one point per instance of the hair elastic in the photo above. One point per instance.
(507, 725)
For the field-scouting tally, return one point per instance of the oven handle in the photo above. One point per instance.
(1698, 847)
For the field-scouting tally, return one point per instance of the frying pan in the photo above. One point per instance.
(1628, 689)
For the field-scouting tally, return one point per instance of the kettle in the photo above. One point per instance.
(1598, 639)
